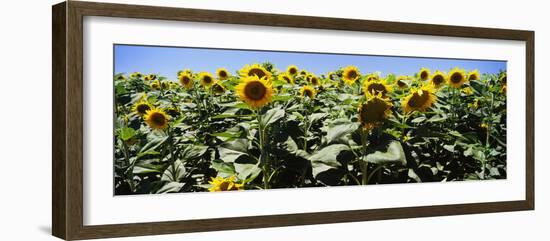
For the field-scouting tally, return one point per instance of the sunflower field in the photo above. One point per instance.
(265, 128)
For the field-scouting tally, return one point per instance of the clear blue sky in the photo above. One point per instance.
(167, 61)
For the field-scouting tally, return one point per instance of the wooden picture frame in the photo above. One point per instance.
(67, 137)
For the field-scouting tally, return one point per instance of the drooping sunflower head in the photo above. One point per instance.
(456, 77)
(372, 77)
(222, 73)
(401, 82)
(218, 88)
(286, 77)
(141, 107)
(308, 91)
(424, 73)
(136, 75)
(473, 75)
(255, 70)
(254, 91)
(150, 77)
(206, 79)
(186, 80)
(419, 99)
(376, 87)
(438, 79)
(350, 74)
(292, 70)
(220, 184)
(374, 111)
(155, 85)
(156, 119)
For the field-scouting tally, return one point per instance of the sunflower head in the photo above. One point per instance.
(254, 91)
(468, 91)
(314, 80)
(141, 107)
(438, 79)
(303, 72)
(504, 89)
(374, 111)
(350, 74)
(186, 80)
(372, 77)
(401, 82)
(424, 73)
(502, 78)
(222, 73)
(419, 99)
(286, 77)
(220, 184)
(165, 85)
(155, 85)
(136, 75)
(456, 77)
(206, 79)
(308, 91)
(187, 71)
(376, 87)
(156, 119)
(218, 88)
(120, 77)
(331, 76)
(292, 70)
(473, 75)
(255, 70)
(150, 77)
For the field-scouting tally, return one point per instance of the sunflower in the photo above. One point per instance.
(165, 85)
(314, 80)
(150, 77)
(218, 88)
(374, 111)
(401, 82)
(155, 85)
(456, 78)
(254, 91)
(186, 71)
(156, 119)
(173, 111)
(136, 75)
(473, 75)
(255, 70)
(438, 79)
(424, 73)
(222, 73)
(303, 72)
(141, 107)
(307, 91)
(286, 77)
(502, 78)
(121, 77)
(504, 89)
(376, 87)
(419, 99)
(186, 80)
(224, 184)
(468, 91)
(331, 75)
(350, 74)
(372, 77)
(206, 79)
(292, 70)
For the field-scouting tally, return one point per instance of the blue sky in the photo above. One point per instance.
(167, 61)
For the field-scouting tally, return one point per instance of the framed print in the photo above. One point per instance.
(212, 120)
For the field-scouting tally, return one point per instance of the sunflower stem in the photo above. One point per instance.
(263, 155)
(364, 163)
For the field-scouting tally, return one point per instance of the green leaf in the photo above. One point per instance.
(174, 172)
(339, 130)
(126, 133)
(247, 172)
(170, 187)
(393, 154)
(271, 116)
(224, 169)
(418, 119)
(230, 151)
(193, 151)
(325, 158)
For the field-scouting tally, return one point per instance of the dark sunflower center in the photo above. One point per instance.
(292, 70)
(417, 101)
(142, 108)
(224, 186)
(207, 79)
(314, 81)
(309, 93)
(218, 89)
(373, 111)
(258, 72)
(377, 88)
(352, 74)
(472, 77)
(424, 75)
(401, 83)
(456, 78)
(185, 80)
(438, 79)
(287, 79)
(158, 119)
(255, 90)
(222, 74)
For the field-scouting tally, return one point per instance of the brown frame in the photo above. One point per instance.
(67, 123)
